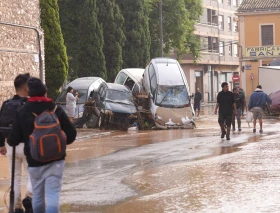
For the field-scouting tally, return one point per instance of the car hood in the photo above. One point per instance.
(120, 107)
(172, 116)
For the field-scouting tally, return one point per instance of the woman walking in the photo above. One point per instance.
(71, 103)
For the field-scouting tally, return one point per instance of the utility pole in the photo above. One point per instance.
(161, 29)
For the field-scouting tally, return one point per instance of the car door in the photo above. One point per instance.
(98, 101)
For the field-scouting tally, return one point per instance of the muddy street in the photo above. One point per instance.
(171, 171)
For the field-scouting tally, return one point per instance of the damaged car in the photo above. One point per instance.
(115, 105)
(169, 96)
(274, 107)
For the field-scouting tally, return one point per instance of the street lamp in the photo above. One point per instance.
(161, 29)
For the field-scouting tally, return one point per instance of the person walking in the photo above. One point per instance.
(238, 101)
(46, 176)
(226, 105)
(197, 101)
(8, 111)
(257, 101)
(71, 103)
(243, 104)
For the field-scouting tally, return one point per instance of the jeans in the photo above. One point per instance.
(238, 117)
(46, 184)
(20, 161)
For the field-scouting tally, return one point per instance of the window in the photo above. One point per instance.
(235, 3)
(235, 25)
(121, 78)
(230, 49)
(221, 22)
(221, 48)
(229, 2)
(267, 35)
(235, 50)
(153, 80)
(229, 23)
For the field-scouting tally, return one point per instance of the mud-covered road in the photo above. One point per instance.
(171, 171)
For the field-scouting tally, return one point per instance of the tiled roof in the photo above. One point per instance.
(259, 5)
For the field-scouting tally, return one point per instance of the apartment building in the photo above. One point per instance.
(218, 34)
(259, 25)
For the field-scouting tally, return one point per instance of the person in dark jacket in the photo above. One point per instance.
(20, 85)
(238, 101)
(258, 100)
(46, 177)
(197, 100)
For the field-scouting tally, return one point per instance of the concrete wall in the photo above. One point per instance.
(18, 46)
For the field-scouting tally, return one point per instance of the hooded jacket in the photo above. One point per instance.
(258, 99)
(23, 127)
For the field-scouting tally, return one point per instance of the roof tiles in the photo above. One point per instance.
(259, 5)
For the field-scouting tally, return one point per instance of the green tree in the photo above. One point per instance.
(111, 21)
(56, 62)
(69, 20)
(91, 59)
(179, 19)
(136, 51)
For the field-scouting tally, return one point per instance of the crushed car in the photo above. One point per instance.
(115, 106)
(84, 86)
(169, 96)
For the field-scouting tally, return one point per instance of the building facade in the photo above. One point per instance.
(20, 43)
(259, 23)
(218, 34)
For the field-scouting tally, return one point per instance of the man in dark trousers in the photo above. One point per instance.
(46, 176)
(238, 101)
(197, 100)
(227, 106)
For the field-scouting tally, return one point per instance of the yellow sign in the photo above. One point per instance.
(266, 51)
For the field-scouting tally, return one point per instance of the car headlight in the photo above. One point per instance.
(79, 115)
(108, 112)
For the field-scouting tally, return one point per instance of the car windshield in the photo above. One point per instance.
(172, 96)
(119, 96)
(82, 96)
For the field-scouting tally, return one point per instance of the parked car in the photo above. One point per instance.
(115, 106)
(274, 107)
(132, 78)
(84, 86)
(166, 84)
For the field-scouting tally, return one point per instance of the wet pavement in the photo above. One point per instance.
(172, 171)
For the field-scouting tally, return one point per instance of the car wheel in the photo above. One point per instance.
(100, 120)
(92, 121)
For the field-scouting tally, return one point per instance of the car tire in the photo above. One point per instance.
(92, 122)
(100, 120)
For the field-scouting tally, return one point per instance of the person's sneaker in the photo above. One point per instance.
(239, 130)
(27, 203)
(19, 211)
(228, 138)
(261, 131)
(223, 134)
(254, 130)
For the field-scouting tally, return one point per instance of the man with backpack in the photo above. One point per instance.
(238, 101)
(7, 115)
(45, 130)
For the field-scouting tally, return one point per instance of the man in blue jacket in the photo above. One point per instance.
(257, 101)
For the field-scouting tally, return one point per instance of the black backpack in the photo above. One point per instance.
(9, 111)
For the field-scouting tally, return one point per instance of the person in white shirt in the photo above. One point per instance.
(71, 103)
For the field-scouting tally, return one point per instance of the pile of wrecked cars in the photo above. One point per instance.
(157, 97)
